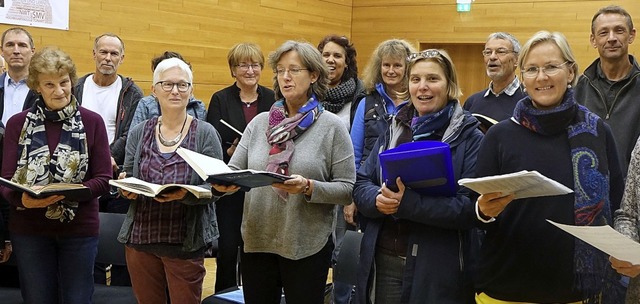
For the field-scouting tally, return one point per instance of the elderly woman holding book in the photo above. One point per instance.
(287, 228)
(166, 236)
(55, 238)
(417, 247)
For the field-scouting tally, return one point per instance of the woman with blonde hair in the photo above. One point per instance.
(523, 257)
(385, 82)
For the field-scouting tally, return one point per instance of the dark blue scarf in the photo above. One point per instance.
(591, 179)
(424, 126)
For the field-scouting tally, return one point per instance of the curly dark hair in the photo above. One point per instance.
(351, 70)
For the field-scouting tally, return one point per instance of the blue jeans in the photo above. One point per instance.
(389, 271)
(55, 269)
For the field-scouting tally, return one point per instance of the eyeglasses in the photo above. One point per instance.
(167, 86)
(245, 67)
(430, 53)
(500, 52)
(549, 70)
(292, 71)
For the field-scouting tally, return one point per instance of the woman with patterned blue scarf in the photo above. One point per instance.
(524, 258)
(418, 248)
(55, 240)
(286, 227)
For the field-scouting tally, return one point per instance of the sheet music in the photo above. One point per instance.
(522, 184)
(607, 240)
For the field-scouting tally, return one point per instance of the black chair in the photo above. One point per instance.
(10, 291)
(11, 295)
(111, 253)
(346, 267)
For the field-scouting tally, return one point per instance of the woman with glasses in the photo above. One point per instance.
(167, 236)
(148, 106)
(235, 105)
(54, 239)
(417, 248)
(287, 227)
(524, 258)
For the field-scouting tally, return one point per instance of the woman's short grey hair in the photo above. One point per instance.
(169, 63)
(559, 40)
(311, 60)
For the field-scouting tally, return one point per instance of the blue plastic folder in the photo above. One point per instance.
(424, 166)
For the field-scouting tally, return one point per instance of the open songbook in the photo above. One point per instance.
(215, 171)
(486, 122)
(522, 184)
(71, 192)
(139, 186)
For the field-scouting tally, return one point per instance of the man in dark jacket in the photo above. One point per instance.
(109, 94)
(610, 86)
(17, 50)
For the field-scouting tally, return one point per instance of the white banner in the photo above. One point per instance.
(39, 13)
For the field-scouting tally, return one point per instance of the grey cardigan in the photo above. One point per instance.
(298, 227)
(202, 227)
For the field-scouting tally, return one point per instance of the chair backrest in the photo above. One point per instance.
(346, 267)
(110, 251)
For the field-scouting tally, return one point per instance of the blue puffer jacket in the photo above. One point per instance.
(441, 236)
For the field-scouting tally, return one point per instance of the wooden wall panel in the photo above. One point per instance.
(472, 72)
(204, 30)
(436, 21)
(201, 30)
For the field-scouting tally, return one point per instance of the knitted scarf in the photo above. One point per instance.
(282, 132)
(339, 95)
(425, 125)
(590, 175)
(69, 161)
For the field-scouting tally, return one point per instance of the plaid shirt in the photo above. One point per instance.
(161, 222)
(511, 89)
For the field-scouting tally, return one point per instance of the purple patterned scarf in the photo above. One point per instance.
(283, 130)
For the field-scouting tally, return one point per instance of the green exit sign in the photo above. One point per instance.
(464, 7)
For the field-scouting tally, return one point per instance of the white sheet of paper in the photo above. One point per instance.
(522, 184)
(606, 239)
